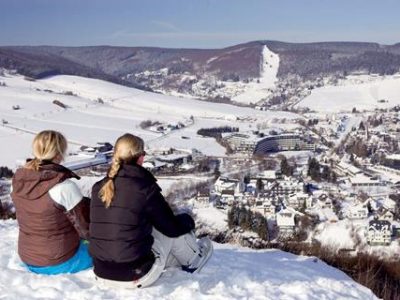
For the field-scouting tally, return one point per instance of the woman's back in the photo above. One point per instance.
(46, 235)
(122, 232)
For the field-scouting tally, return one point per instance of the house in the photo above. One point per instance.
(203, 198)
(154, 165)
(227, 197)
(251, 187)
(285, 222)
(324, 201)
(175, 158)
(379, 232)
(269, 175)
(224, 183)
(264, 206)
(285, 188)
(384, 214)
(297, 201)
(356, 212)
(246, 198)
(345, 169)
(389, 204)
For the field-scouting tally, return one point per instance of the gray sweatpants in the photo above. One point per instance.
(169, 252)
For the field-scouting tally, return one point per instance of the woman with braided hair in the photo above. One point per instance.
(52, 214)
(134, 235)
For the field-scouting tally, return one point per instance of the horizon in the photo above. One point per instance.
(195, 24)
(199, 48)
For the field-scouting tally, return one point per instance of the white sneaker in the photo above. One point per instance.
(202, 256)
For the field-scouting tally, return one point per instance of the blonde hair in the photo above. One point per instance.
(46, 145)
(128, 148)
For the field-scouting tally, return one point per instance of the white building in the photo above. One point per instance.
(379, 232)
(389, 204)
(298, 200)
(356, 212)
(345, 169)
(224, 183)
(285, 222)
(258, 143)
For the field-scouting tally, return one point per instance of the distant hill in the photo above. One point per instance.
(179, 70)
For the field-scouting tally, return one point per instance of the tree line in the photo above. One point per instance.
(215, 132)
(248, 220)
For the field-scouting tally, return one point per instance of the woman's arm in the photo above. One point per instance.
(67, 196)
(162, 217)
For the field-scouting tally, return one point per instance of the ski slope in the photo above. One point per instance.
(232, 273)
(258, 90)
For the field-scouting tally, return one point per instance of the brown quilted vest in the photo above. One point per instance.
(46, 236)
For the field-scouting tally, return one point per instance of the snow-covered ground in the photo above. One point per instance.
(88, 120)
(213, 217)
(232, 273)
(260, 89)
(361, 92)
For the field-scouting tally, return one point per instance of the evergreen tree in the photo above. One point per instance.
(263, 228)
(231, 218)
(260, 185)
(286, 169)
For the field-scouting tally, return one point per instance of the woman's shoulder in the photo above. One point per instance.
(66, 193)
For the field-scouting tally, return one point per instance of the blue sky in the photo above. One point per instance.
(195, 23)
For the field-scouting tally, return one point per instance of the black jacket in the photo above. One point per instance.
(120, 236)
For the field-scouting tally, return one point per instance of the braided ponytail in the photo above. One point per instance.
(128, 148)
(107, 191)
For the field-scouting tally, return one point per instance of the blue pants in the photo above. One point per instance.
(80, 261)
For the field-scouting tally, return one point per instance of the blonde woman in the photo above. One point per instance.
(134, 234)
(51, 212)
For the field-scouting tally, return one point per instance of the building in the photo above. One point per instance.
(285, 222)
(389, 204)
(258, 143)
(379, 232)
(224, 183)
(284, 188)
(298, 200)
(175, 158)
(384, 214)
(361, 181)
(227, 197)
(356, 212)
(345, 169)
(203, 198)
(284, 142)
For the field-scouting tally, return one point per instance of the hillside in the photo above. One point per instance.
(98, 110)
(210, 74)
(232, 273)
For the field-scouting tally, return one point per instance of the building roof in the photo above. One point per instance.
(379, 225)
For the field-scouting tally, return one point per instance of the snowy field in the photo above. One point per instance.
(232, 273)
(361, 92)
(88, 120)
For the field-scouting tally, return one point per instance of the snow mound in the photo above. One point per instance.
(232, 273)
